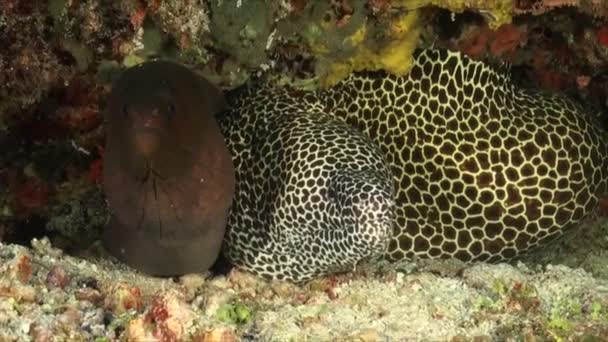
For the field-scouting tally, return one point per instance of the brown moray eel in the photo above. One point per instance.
(168, 175)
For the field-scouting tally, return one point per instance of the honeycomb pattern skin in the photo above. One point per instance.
(313, 195)
(481, 169)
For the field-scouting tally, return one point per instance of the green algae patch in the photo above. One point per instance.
(563, 317)
(598, 312)
(121, 321)
(520, 297)
(499, 288)
(235, 313)
(242, 29)
(57, 8)
(569, 316)
(484, 303)
(132, 60)
(152, 38)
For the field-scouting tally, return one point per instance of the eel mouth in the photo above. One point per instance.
(147, 132)
(146, 142)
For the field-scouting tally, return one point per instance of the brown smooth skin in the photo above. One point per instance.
(168, 175)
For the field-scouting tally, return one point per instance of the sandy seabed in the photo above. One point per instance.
(46, 295)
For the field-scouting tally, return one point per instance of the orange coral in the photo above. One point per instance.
(506, 39)
(125, 297)
(137, 17)
(479, 40)
(583, 81)
(602, 35)
(158, 315)
(24, 268)
(30, 196)
(545, 75)
(95, 171)
(474, 42)
(81, 119)
(80, 110)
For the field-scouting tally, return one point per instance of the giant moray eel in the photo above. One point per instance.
(481, 169)
(167, 175)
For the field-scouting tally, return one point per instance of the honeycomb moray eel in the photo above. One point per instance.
(167, 173)
(479, 169)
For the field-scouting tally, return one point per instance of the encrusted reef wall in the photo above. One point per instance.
(58, 58)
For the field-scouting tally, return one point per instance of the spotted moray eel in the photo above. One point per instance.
(451, 160)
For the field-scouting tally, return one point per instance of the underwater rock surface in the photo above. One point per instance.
(45, 293)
